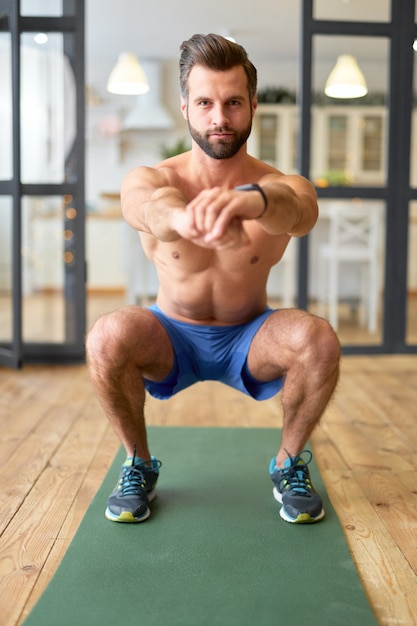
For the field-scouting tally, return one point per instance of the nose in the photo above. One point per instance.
(219, 115)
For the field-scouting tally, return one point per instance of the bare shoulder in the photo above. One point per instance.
(164, 174)
(148, 177)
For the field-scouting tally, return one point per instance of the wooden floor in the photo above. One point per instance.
(56, 447)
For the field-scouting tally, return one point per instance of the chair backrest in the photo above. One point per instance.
(354, 230)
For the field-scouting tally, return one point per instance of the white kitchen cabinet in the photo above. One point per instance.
(274, 136)
(351, 139)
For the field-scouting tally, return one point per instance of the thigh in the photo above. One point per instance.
(281, 341)
(133, 334)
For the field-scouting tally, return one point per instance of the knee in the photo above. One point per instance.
(319, 343)
(100, 338)
(108, 340)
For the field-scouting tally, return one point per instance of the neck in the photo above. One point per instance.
(219, 172)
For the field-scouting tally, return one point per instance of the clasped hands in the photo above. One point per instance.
(214, 219)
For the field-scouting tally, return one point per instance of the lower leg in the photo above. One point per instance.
(121, 393)
(304, 398)
(119, 355)
(305, 350)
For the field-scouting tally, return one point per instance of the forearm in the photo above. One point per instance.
(159, 210)
(292, 206)
(151, 211)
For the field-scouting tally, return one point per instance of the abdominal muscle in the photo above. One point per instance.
(201, 301)
(203, 286)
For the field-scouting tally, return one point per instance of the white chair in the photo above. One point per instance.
(353, 239)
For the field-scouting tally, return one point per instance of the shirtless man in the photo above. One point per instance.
(214, 220)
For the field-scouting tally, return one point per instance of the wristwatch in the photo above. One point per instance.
(255, 187)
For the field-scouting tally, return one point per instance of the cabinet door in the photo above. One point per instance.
(337, 141)
(274, 136)
(269, 137)
(349, 145)
(372, 164)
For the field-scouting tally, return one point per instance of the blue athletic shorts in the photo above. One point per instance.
(211, 353)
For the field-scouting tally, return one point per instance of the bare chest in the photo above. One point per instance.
(259, 256)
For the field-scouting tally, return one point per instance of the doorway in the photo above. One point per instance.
(42, 242)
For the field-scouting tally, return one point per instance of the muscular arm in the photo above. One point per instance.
(149, 198)
(292, 205)
(291, 208)
(152, 202)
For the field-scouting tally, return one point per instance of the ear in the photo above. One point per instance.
(184, 108)
(254, 104)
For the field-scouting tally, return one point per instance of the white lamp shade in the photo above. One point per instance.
(346, 79)
(127, 77)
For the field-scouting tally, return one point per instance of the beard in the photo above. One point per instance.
(222, 149)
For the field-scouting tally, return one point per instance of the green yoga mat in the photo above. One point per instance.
(214, 551)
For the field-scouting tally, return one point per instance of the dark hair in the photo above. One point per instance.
(217, 53)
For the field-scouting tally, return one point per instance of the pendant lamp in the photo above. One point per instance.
(127, 77)
(346, 79)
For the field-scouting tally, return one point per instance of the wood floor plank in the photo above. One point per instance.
(28, 539)
(47, 425)
(214, 404)
(102, 457)
(396, 505)
(388, 579)
(56, 446)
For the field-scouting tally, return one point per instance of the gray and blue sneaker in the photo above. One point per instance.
(129, 501)
(301, 504)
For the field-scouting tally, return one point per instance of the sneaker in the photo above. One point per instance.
(129, 501)
(293, 489)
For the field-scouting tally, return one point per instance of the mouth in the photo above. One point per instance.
(221, 134)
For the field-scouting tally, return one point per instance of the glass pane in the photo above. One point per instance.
(411, 333)
(6, 120)
(337, 141)
(6, 304)
(52, 8)
(414, 130)
(369, 11)
(268, 128)
(48, 111)
(372, 143)
(46, 251)
(274, 135)
(346, 268)
(411, 327)
(349, 136)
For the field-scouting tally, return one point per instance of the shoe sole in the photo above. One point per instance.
(302, 518)
(127, 517)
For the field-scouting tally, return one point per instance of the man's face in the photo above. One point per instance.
(219, 112)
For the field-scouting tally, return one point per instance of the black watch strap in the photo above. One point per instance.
(255, 187)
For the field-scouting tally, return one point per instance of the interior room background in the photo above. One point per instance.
(349, 150)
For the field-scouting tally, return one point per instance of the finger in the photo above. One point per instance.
(225, 224)
(235, 235)
(198, 207)
(217, 211)
(208, 206)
